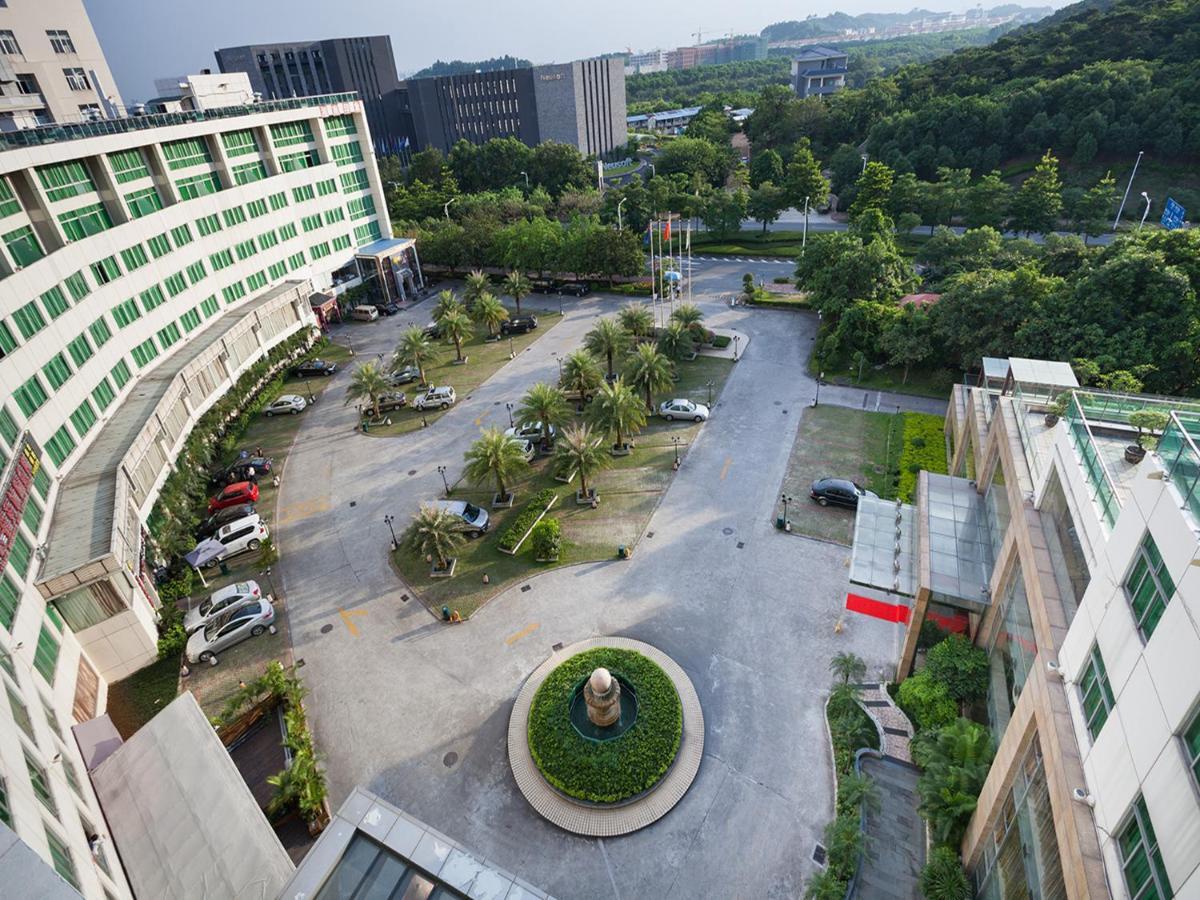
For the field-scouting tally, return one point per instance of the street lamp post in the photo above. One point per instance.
(786, 500)
(804, 239)
(865, 157)
(311, 396)
(1121, 208)
(1145, 197)
(710, 387)
(445, 483)
(675, 441)
(558, 359)
(512, 353)
(817, 398)
(509, 407)
(620, 224)
(446, 206)
(389, 520)
(653, 171)
(526, 174)
(736, 338)
(270, 580)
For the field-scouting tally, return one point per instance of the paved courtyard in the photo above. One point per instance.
(417, 711)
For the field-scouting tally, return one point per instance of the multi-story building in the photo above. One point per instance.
(333, 66)
(581, 103)
(51, 66)
(649, 61)
(1076, 566)
(818, 70)
(145, 263)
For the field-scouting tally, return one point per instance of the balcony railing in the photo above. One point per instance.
(54, 134)
(1103, 487)
(1181, 460)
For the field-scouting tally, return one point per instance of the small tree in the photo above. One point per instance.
(1148, 422)
(943, 878)
(649, 371)
(495, 456)
(546, 539)
(434, 533)
(955, 760)
(490, 313)
(606, 339)
(690, 316)
(578, 450)
(676, 342)
(475, 285)
(960, 666)
(367, 384)
(546, 404)
(457, 327)
(927, 702)
(636, 319)
(617, 411)
(848, 667)
(581, 373)
(517, 286)
(414, 350)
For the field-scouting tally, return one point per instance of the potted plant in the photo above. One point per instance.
(1057, 409)
(1149, 423)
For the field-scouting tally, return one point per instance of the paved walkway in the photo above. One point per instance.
(895, 845)
(895, 730)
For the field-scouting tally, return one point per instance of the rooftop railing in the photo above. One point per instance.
(1181, 459)
(1104, 490)
(57, 133)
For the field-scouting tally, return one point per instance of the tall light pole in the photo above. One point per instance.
(1145, 197)
(817, 398)
(653, 171)
(389, 520)
(786, 500)
(804, 239)
(445, 483)
(446, 206)
(1121, 208)
(865, 157)
(526, 174)
(620, 225)
(675, 441)
(509, 407)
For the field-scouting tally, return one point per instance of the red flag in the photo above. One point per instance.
(667, 231)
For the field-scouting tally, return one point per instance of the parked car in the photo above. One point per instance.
(407, 375)
(289, 404)
(527, 447)
(213, 523)
(250, 468)
(249, 619)
(392, 400)
(838, 492)
(578, 397)
(574, 288)
(226, 598)
(682, 409)
(432, 331)
(435, 398)
(519, 325)
(233, 495)
(544, 287)
(475, 519)
(240, 536)
(390, 308)
(364, 313)
(314, 367)
(530, 431)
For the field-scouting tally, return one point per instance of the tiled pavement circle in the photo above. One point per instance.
(594, 821)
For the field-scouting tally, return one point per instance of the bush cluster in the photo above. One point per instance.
(926, 701)
(608, 771)
(960, 666)
(924, 448)
(521, 524)
(547, 539)
(721, 341)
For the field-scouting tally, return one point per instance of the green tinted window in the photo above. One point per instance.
(29, 319)
(125, 313)
(1148, 586)
(128, 165)
(104, 394)
(106, 270)
(80, 350)
(9, 205)
(181, 236)
(288, 133)
(30, 396)
(355, 181)
(238, 143)
(57, 371)
(209, 225)
(159, 245)
(143, 202)
(196, 272)
(134, 258)
(347, 154)
(83, 418)
(8, 343)
(198, 186)
(1141, 859)
(144, 352)
(65, 180)
(248, 173)
(190, 320)
(186, 153)
(54, 301)
(60, 445)
(257, 208)
(338, 126)
(85, 221)
(152, 298)
(169, 335)
(120, 373)
(8, 427)
(175, 284)
(23, 246)
(77, 286)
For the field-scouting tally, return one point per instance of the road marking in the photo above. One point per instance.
(725, 468)
(524, 632)
(483, 415)
(303, 509)
(347, 615)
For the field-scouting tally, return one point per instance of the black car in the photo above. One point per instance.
(574, 288)
(249, 468)
(544, 287)
(387, 309)
(519, 325)
(213, 523)
(838, 491)
(432, 331)
(314, 367)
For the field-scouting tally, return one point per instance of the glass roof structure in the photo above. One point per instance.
(960, 545)
(885, 546)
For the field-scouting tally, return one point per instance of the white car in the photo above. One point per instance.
(435, 398)
(289, 404)
(239, 537)
(475, 520)
(530, 431)
(227, 597)
(683, 409)
(250, 619)
(527, 447)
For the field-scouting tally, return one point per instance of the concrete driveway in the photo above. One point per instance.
(417, 711)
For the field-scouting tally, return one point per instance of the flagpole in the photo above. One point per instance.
(689, 249)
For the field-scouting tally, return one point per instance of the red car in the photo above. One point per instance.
(238, 492)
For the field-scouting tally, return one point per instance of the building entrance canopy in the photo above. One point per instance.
(885, 546)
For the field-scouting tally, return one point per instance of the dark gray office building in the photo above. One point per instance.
(580, 103)
(361, 64)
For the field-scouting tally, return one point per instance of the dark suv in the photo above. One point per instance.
(574, 288)
(248, 469)
(519, 325)
(314, 367)
(838, 492)
(390, 308)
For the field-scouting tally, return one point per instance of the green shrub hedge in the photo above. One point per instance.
(547, 539)
(926, 701)
(721, 341)
(924, 448)
(608, 771)
(522, 523)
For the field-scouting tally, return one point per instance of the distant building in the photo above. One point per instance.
(818, 70)
(580, 103)
(51, 66)
(670, 121)
(333, 66)
(204, 91)
(643, 63)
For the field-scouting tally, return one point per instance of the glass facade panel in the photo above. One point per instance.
(1141, 860)
(1010, 654)
(1066, 552)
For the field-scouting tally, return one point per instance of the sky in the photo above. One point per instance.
(148, 39)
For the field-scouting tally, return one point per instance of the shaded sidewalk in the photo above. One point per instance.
(894, 853)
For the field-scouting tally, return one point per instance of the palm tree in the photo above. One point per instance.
(607, 339)
(446, 302)
(456, 326)
(413, 349)
(649, 371)
(618, 411)
(581, 374)
(489, 312)
(848, 667)
(955, 759)
(474, 286)
(494, 456)
(687, 315)
(516, 286)
(367, 383)
(578, 450)
(675, 341)
(545, 404)
(434, 533)
(636, 319)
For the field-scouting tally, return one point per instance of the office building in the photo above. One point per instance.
(1078, 570)
(334, 66)
(644, 63)
(51, 66)
(145, 264)
(818, 70)
(580, 103)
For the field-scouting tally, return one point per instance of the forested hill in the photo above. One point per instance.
(463, 67)
(839, 23)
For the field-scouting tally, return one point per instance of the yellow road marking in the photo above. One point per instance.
(347, 615)
(303, 509)
(483, 415)
(524, 632)
(725, 468)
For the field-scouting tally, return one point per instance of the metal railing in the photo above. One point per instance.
(59, 132)
(1181, 459)
(1101, 481)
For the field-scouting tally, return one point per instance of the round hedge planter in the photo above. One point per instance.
(610, 771)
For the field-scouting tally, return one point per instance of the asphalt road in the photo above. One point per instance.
(750, 615)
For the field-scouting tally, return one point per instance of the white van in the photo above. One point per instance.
(475, 520)
(364, 313)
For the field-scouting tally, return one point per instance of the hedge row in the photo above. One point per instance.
(924, 448)
(522, 523)
(608, 771)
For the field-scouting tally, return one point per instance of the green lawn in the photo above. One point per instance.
(751, 243)
(629, 491)
(921, 382)
(484, 359)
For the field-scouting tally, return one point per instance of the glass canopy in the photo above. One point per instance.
(885, 545)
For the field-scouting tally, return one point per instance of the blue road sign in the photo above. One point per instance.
(1172, 216)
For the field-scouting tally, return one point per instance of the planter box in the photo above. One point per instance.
(622, 450)
(460, 362)
(546, 559)
(448, 572)
(525, 536)
(582, 500)
(498, 503)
